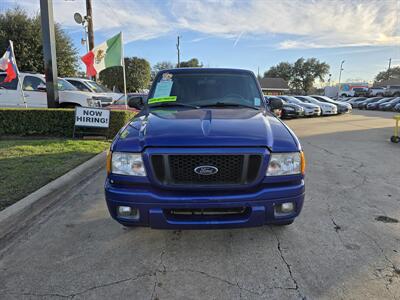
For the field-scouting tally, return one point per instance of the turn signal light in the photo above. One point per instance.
(108, 164)
(303, 163)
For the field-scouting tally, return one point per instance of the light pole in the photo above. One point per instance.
(49, 52)
(340, 72)
(83, 21)
(179, 51)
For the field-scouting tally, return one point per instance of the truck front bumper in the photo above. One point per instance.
(259, 207)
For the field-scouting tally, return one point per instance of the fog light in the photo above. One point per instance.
(128, 212)
(284, 208)
(124, 211)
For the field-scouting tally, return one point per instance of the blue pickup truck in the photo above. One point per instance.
(205, 152)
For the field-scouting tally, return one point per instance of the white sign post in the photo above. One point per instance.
(91, 117)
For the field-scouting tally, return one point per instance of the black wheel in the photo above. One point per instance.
(285, 223)
(395, 139)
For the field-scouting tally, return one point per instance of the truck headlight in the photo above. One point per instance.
(286, 164)
(127, 164)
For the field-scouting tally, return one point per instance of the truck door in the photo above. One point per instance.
(34, 97)
(10, 95)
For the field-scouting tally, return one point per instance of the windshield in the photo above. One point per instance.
(64, 85)
(291, 99)
(206, 89)
(97, 87)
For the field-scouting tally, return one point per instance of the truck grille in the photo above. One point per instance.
(179, 169)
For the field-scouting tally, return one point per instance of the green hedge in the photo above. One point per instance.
(51, 122)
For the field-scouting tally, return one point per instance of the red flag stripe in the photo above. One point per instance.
(88, 60)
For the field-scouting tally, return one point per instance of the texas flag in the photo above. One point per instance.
(8, 64)
(105, 55)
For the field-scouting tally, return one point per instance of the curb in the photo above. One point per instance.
(18, 215)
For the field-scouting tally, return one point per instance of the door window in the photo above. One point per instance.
(79, 85)
(31, 83)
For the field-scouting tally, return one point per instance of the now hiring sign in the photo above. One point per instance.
(92, 117)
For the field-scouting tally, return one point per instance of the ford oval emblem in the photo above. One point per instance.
(206, 170)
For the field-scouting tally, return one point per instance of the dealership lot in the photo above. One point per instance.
(345, 244)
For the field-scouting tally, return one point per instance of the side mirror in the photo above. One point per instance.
(136, 102)
(275, 103)
(41, 87)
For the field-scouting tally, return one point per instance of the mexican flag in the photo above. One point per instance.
(105, 55)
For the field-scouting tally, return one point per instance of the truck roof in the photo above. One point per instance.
(207, 70)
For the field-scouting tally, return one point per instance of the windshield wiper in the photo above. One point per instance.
(171, 104)
(223, 104)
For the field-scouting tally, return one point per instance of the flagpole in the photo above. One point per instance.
(124, 72)
(19, 81)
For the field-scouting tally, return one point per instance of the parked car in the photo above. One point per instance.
(376, 92)
(392, 91)
(390, 105)
(326, 108)
(397, 107)
(289, 110)
(87, 85)
(134, 100)
(363, 104)
(375, 104)
(360, 92)
(342, 107)
(195, 157)
(309, 108)
(355, 101)
(34, 88)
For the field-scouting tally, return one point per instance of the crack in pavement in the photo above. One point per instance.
(394, 271)
(73, 295)
(159, 270)
(288, 266)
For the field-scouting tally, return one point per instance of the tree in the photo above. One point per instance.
(163, 65)
(301, 74)
(386, 75)
(191, 63)
(26, 34)
(137, 75)
(282, 70)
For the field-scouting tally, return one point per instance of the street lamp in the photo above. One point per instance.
(83, 21)
(340, 73)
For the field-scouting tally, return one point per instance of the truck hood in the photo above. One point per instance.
(238, 127)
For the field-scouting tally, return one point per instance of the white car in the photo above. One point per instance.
(34, 88)
(326, 108)
(87, 85)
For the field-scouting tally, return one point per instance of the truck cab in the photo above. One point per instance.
(34, 92)
(205, 151)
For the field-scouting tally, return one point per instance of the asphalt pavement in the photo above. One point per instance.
(344, 245)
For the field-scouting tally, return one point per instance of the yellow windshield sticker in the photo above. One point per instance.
(162, 99)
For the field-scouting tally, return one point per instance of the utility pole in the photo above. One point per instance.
(388, 71)
(89, 16)
(340, 73)
(49, 52)
(178, 49)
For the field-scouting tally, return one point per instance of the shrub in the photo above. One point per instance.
(52, 122)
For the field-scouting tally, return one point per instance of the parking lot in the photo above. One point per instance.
(344, 245)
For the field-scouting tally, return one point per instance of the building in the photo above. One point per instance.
(388, 83)
(274, 86)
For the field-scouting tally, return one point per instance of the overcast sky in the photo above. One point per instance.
(247, 34)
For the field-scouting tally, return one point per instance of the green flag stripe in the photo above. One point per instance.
(114, 51)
